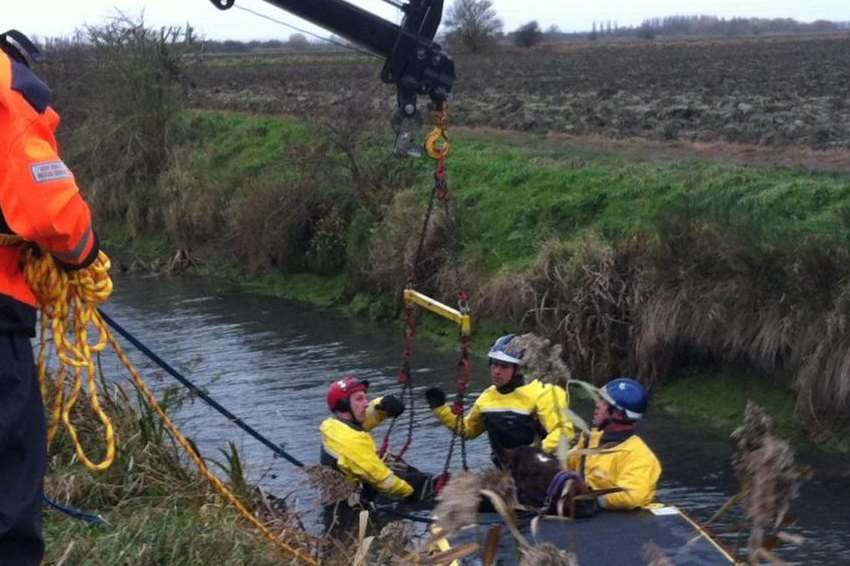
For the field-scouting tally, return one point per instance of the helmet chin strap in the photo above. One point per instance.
(515, 381)
(344, 406)
(611, 419)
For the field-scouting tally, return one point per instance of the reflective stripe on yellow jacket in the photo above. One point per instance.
(355, 453)
(632, 466)
(518, 418)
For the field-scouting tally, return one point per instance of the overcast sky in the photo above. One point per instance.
(60, 17)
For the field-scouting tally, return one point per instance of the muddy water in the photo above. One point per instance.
(269, 361)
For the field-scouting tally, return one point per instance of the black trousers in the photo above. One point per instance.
(23, 454)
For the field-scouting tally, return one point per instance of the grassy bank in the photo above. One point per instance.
(717, 401)
(637, 266)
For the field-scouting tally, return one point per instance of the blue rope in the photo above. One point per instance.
(199, 392)
(91, 519)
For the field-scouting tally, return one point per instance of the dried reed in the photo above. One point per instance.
(543, 360)
(333, 486)
(768, 476)
(457, 504)
(546, 555)
(501, 483)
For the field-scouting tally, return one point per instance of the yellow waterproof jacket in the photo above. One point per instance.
(520, 417)
(350, 448)
(632, 466)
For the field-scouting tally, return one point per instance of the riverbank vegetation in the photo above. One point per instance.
(639, 266)
(636, 267)
(157, 510)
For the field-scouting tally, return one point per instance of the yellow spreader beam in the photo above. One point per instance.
(436, 307)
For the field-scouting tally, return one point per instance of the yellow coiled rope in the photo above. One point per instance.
(68, 301)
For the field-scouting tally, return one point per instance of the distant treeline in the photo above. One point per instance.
(668, 26)
(295, 41)
(700, 25)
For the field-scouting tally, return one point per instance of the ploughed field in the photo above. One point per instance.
(766, 91)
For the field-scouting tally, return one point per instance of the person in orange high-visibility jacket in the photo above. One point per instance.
(41, 204)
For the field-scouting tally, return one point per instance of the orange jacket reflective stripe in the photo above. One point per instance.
(39, 197)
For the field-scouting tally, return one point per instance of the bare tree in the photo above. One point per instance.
(473, 23)
(528, 35)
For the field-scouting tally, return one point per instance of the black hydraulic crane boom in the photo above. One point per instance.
(413, 61)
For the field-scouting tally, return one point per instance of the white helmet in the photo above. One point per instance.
(506, 350)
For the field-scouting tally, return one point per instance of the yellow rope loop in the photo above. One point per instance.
(438, 145)
(43, 350)
(69, 302)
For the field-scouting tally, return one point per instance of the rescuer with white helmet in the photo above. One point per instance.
(512, 412)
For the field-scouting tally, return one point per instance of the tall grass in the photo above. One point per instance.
(157, 510)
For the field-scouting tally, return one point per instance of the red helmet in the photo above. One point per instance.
(342, 390)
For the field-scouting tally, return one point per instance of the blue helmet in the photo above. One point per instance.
(627, 395)
(506, 350)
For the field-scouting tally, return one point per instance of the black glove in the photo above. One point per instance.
(391, 405)
(435, 396)
(423, 485)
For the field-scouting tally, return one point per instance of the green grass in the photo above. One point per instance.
(718, 399)
(239, 146)
(115, 235)
(157, 508)
(320, 290)
(512, 197)
(157, 531)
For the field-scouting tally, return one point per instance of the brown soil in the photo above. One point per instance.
(777, 91)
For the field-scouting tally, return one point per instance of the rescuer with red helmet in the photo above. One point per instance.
(41, 206)
(346, 442)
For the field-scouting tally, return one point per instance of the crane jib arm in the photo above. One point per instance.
(346, 20)
(414, 62)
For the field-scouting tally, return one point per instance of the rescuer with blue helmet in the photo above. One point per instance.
(630, 464)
